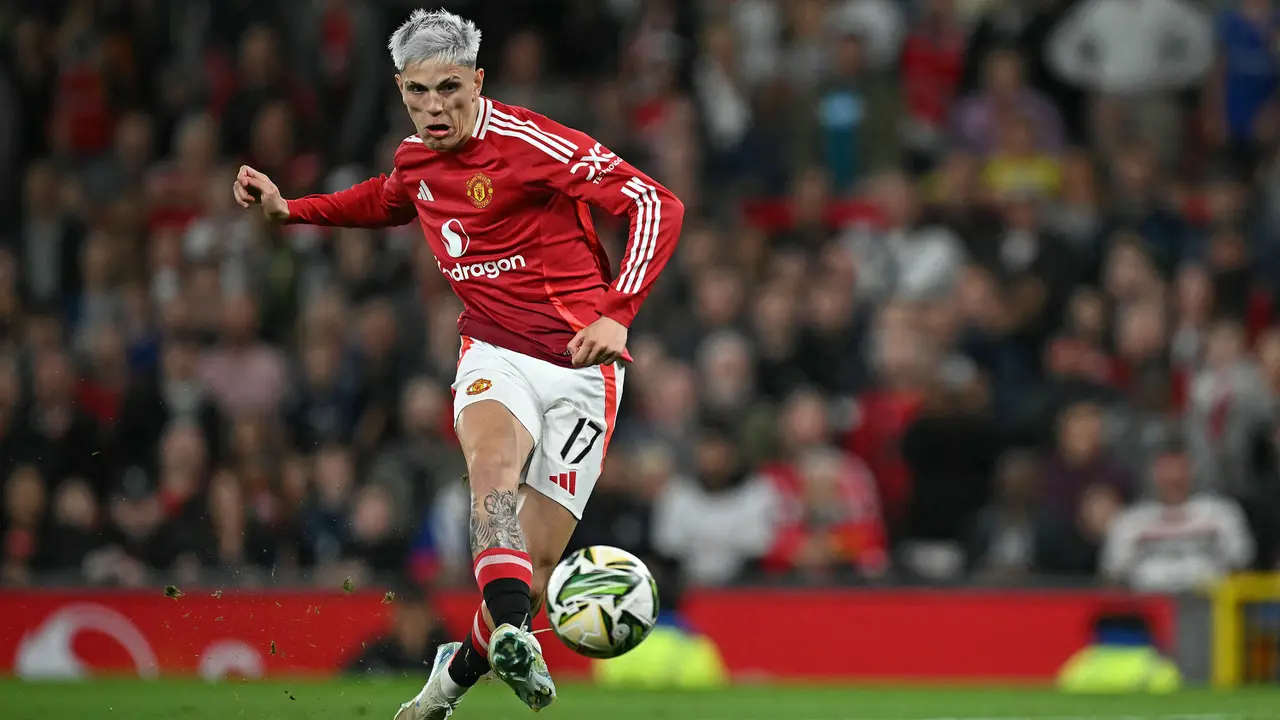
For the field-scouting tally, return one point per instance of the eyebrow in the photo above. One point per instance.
(442, 83)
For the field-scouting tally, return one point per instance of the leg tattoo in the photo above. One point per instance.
(504, 570)
(494, 523)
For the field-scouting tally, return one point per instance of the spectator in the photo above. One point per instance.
(1080, 462)
(1228, 407)
(1179, 541)
(124, 170)
(1139, 210)
(373, 543)
(950, 450)
(718, 84)
(323, 408)
(325, 526)
(718, 524)
(829, 524)
(415, 635)
(1132, 54)
(263, 79)
(24, 504)
(981, 120)
(828, 348)
(239, 542)
(910, 258)
(1076, 214)
(47, 239)
(243, 374)
(140, 540)
(53, 433)
(845, 115)
(1193, 300)
(932, 64)
(1017, 166)
(174, 394)
(74, 530)
(417, 465)
(1007, 538)
(625, 495)
(1241, 88)
(728, 388)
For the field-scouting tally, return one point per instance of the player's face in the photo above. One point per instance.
(441, 98)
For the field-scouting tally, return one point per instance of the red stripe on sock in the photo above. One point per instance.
(480, 634)
(498, 563)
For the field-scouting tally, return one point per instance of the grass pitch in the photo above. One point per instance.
(353, 700)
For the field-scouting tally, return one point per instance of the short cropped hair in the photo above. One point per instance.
(438, 35)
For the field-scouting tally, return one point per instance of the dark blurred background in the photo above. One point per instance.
(970, 290)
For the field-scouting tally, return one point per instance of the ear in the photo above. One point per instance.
(399, 82)
(479, 81)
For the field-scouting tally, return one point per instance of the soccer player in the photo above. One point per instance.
(502, 193)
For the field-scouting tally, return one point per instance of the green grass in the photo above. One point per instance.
(178, 700)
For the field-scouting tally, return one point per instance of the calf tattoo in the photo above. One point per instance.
(494, 523)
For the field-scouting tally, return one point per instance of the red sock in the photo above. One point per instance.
(505, 576)
(480, 634)
(471, 662)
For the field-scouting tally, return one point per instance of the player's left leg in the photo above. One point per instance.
(547, 527)
(576, 429)
(514, 653)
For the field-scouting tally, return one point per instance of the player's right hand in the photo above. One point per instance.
(252, 187)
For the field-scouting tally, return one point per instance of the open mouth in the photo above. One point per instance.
(438, 130)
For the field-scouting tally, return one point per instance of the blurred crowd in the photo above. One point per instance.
(970, 290)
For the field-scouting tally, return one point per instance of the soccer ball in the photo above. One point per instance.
(602, 601)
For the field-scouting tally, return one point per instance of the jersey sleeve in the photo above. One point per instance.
(573, 163)
(375, 203)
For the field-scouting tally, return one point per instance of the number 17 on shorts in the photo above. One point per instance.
(567, 463)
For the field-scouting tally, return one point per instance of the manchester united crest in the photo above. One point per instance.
(478, 386)
(480, 190)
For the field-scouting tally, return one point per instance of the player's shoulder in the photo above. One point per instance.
(521, 130)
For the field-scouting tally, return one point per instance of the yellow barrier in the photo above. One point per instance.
(1228, 622)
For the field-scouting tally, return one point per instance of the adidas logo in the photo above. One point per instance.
(568, 481)
(424, 194)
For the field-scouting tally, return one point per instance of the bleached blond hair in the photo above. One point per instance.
(438, 36)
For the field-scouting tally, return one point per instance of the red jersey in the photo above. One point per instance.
(506, 216)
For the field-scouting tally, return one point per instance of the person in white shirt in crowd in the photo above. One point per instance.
(1133, 55)
(1180, 540)
(910, 257)
(719, 522)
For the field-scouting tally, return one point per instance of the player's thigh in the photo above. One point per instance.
(547, 527)
(576, 432)
(496, 415)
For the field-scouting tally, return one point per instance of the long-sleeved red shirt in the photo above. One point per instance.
(506, 216)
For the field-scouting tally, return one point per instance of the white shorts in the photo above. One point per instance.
(570, 412)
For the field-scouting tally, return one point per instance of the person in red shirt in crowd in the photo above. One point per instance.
(502, 194)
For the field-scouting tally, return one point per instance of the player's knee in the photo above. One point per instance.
(495, 467)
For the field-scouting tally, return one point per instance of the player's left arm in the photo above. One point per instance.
(575, 164)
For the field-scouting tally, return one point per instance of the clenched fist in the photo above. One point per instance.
(253, 188)
(600, 343)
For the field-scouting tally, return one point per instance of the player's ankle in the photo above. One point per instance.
(470, 662)
(508, 607)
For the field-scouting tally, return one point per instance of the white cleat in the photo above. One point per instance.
(432, 703)
(516, 658)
